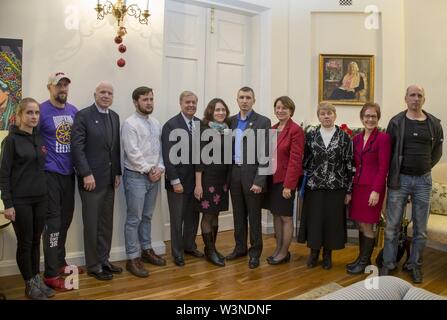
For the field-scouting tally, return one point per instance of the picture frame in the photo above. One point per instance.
(346, 79)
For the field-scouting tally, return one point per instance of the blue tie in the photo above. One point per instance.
(190, 126)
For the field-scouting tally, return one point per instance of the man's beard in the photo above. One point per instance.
(61, 98)
(143, 111)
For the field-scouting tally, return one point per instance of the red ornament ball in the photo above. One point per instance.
(122, 48)
(121, 62)
(118, 39)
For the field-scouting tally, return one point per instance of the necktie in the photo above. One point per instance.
(190, 126)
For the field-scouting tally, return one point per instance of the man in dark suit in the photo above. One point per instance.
(247, 182)
(95, 146)
(180, 179)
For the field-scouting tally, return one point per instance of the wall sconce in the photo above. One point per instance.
(119, 10)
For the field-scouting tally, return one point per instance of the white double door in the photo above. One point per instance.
(207, 51)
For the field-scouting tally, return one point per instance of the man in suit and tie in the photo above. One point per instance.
(247, 184)
(180, 181)
(95, 147)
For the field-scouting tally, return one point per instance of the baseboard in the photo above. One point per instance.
(9, 267)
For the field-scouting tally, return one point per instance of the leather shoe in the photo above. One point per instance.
(235, 255)
(111, 268)
(416, 273)
(179, 261)
(283, 260)
(150, 256)
(100, 275)
(136, 267)
(384, 271)
(253, 263)
(195, 253)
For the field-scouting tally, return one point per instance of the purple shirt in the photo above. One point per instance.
(55, 129)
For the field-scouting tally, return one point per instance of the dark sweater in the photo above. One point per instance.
(22, 159)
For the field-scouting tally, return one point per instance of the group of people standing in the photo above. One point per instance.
(52, 142)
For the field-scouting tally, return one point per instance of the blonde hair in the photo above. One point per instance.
(326, 106)
(187, 94)
(22, 106)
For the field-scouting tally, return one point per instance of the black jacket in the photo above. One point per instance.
(22, 173)
(396, 129)
(185, 171)
(92, 153)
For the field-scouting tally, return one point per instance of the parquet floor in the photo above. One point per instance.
(201, 280)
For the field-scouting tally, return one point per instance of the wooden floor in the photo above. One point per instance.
(201, 280)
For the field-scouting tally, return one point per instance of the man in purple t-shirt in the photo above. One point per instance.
(56, 120)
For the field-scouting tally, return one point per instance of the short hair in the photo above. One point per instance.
(21, 107)
(415, 85)
(246, 89)
(370, 105)
(287, 102)
(209, 111)
(326, 106)
(187, 93)
(140, 91)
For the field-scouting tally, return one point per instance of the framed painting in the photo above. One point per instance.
(346, 79)
(10, 80)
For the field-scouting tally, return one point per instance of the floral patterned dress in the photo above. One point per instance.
(215, 185)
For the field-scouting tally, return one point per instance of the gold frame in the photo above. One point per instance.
(334, 77)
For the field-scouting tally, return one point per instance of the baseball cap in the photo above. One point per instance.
(54, 78)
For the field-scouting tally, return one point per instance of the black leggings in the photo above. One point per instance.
(28, 226)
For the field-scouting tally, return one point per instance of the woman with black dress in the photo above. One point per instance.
(328, 166)
(24, 193)
(211, 189)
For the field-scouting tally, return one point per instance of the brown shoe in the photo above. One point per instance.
(150, 256)
(136, 267)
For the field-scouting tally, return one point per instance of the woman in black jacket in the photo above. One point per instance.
(211, 190)
(24, 193)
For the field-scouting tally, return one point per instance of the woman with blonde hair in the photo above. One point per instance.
(328, 167)
(351, 83)
(24, 193)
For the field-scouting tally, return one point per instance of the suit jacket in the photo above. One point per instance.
(92, 153)
(289, 155)
(251, 171)
(183, 171)
(372, 161)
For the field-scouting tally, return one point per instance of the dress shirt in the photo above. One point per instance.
(141, 137)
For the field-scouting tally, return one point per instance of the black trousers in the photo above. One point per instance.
(58, 220)
(247, 208)
(97, 215)
(184, 221)
(28, 226)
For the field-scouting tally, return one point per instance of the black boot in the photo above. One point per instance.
(313, 258)
(356, 261)
(215, 229)
(327, 259)
(365, 259)
(210, 250)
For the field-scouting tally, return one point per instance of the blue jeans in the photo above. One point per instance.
(141, 197)
(419, 188)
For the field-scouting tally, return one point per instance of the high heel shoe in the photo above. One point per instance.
(283, 260)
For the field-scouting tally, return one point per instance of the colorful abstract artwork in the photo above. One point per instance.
(10, 80)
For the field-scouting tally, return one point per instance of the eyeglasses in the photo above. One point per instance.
(370, 116)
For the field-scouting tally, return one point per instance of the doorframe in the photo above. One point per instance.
(262, 10)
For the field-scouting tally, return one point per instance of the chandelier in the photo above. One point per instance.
(119, 10)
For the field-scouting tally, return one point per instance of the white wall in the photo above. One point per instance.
(291, 34)
(426, 54)
(87, 55)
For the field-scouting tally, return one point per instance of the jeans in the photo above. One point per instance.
(419, 189)
(141, 197)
